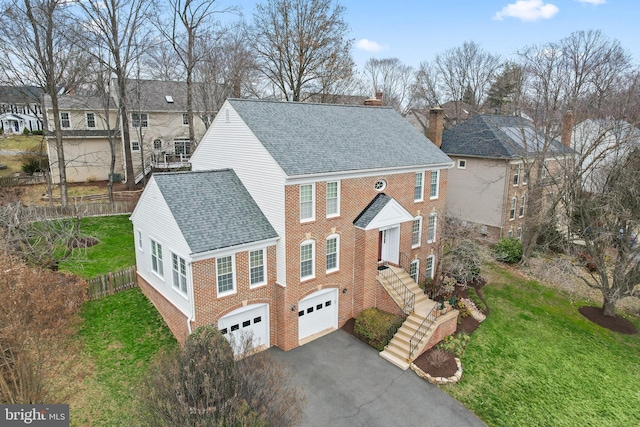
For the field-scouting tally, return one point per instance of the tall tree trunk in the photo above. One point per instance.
(122, 101)
(609, 306)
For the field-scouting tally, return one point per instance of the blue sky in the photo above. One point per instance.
(415, 30)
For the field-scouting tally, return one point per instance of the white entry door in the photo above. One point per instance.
(252, 319)
(317, 312)
(390, 245)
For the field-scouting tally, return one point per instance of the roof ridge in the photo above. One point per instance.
(273, 101)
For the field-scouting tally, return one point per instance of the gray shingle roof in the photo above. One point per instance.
(213, 209)
(150, 95)
(306, 138)
(507, 137)
(373, 209)
(80, 102)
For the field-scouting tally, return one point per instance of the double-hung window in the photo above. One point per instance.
(139, 120)
(429, 267)
(135, 146)
(185, 119)
(333, 251)
(91, 120)
(156, 258)
(182, 146)
(431, 228)
(418, 188)
(516, 174)
(307, 264)
(414, 269)
(416, 232)
(512, 211)
(179, 273)
(435, 184)
(257, 267)
(522, 202)
(65, 121)
(225, 275)
(307, 208)
(333, 199)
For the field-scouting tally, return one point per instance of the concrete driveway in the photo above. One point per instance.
(347, 384)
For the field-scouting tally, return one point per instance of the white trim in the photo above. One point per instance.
(437, 172)
(460, 165)
(234, 288)
(433, 215)
(389, 216)
(364, 173)
(313, 202)
(516, 174)
(159, 260)
(140, 244)
(415, 262)
(68, 120)
(433, 266)
(416, 245)
(264, 268)
(162, 292)
(337, 267)
(513, 208)
(415, 186)
(230, 250)
(313, 260)
(337, 213)
(178, 288)
(523, 201)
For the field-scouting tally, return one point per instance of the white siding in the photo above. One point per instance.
(258, 171)
(154, 220)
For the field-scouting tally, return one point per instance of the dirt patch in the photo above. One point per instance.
(349, 326)
(82, 242)
(613, 323)
(445, 369)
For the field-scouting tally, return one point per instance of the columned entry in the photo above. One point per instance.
(389, 242)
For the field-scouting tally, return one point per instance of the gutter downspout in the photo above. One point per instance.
(507, 181)
(192, 316)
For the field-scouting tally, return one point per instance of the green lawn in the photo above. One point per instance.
(114, 252)
(536, 361)
(121, 333)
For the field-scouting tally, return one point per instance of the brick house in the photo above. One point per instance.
(325, 200)
(495, 157)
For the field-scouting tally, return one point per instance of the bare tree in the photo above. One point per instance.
(610, 220)
(393, 78)
(300, 43)
(38, 53)
(191, 24)
(118, 28)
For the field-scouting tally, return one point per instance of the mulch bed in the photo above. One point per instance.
(615, 323)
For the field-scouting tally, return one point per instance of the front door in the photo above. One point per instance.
(389, 245)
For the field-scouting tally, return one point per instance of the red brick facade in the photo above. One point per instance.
(355, 278)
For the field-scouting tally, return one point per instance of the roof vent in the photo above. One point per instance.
(169, 99)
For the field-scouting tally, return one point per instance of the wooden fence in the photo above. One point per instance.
(12, 181)
(39, 213)
(111, 283)
(118, 196)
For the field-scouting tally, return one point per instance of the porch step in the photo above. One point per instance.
(399, 362)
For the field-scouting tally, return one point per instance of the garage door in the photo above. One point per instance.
(252, 319)
(317, 312)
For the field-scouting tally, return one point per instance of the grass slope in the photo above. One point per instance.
(536, 361)
(121, 333)
(114, 252)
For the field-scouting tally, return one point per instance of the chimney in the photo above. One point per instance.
(436, 125)
(567, 128)
(375, 102)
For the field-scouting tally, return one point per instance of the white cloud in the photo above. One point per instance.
(370, 45)
(529, 10)
(595, 2)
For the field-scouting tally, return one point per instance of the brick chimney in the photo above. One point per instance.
(567, 128)
(436, 125)
(376, 102)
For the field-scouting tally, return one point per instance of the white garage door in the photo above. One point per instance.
(252, 319)
(317, 312)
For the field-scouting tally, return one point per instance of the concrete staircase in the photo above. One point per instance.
(398, 349)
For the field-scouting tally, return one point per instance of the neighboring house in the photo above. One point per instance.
(158, 126)
(599, 143)
(20, 108)
(489, 184)
(297, 207)
(454, 113)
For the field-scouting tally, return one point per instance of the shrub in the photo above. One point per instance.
(37, 132)
(25, 132)
(587, 261)
(508, 250)
(429, 286)
(473, 296)
(437, 357)
(463, 310)
(371, 327)
(33, 164)
(464, 262)
(455, 344)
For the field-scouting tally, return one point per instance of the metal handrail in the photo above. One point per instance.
(405, 294)
(419, 334)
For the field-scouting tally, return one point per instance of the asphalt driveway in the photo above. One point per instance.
(347, 384)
